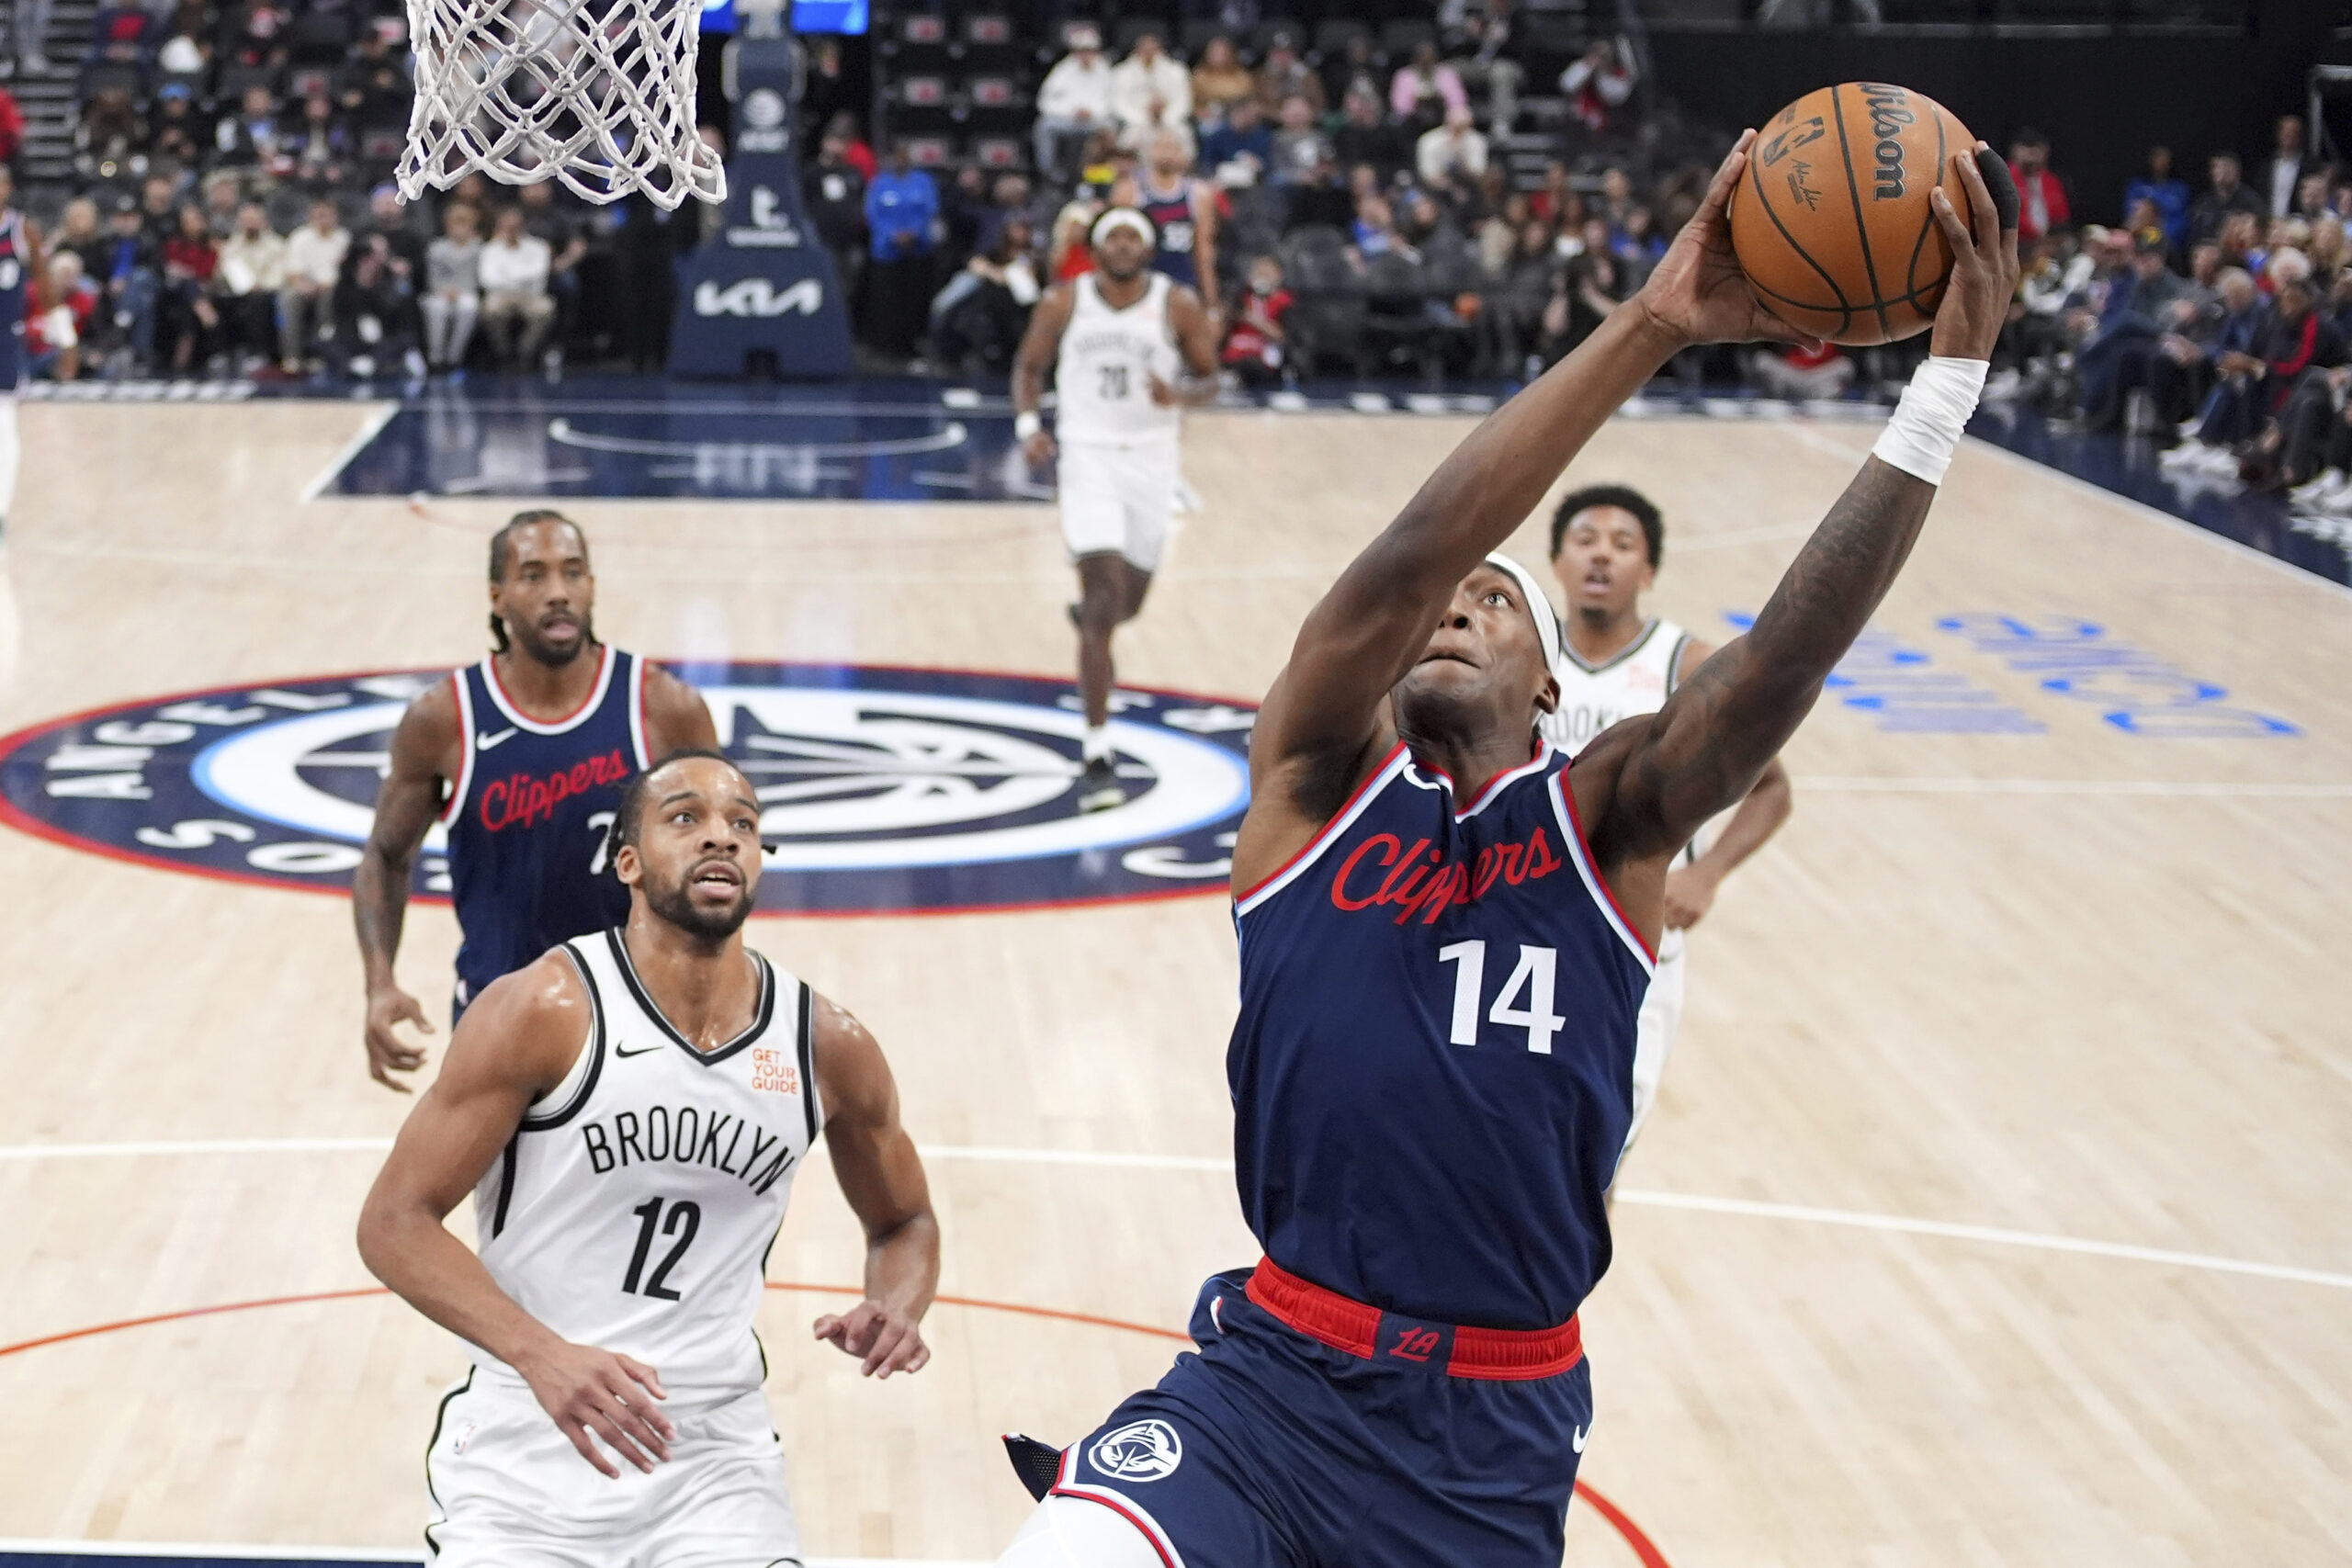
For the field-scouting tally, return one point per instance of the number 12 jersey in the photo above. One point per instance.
(634, 1207)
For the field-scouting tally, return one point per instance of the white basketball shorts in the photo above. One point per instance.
(1119, 500)
(508, 1490)
(1661, 1015)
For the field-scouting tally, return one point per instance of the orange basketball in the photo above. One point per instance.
(1831, 220)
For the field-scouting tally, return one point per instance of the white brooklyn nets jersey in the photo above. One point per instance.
(634, 1208)
(1637, 679)
(1102, 380)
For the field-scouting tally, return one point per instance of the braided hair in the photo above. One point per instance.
(499, 641)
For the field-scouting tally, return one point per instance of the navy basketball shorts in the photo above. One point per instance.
(1270, 1448)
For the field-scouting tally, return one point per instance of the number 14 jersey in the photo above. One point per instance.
(1432, 1070)
(634, 1208)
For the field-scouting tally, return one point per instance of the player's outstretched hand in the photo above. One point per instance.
(1984, 257)
(388, 1005)
(886, 1340)
(1689, 894)
(1697, 294)
(587, 1390)
(1039, 448)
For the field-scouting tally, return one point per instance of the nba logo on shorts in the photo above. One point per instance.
(772, 1071)
(1141, 1450)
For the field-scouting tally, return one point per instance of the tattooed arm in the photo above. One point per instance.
(1644, 787)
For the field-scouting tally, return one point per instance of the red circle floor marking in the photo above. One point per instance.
(1643, 1547)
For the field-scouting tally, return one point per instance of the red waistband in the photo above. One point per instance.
(1362, 1329)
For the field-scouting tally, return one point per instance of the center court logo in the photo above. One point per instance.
(1141, 1450)
(882, 790)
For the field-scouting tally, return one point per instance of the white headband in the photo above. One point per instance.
(1124, 218)
(1539, 607)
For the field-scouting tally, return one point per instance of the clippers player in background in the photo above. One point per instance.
(1129, 349)
(1607, 542)
(521, 758)
(1445, 935)
(629, 1111)
(1184, 209)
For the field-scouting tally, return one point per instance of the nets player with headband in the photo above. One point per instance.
(1445, 935)
(521, 759)
(629, 1111)
(1606, 543)
(1130, 349)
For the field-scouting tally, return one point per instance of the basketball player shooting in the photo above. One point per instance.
(629, 1111)
(1130, 349)
(1446, 932)
(522, 759)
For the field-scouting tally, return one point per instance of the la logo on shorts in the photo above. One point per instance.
(1141, 1450)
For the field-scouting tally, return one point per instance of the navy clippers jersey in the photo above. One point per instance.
(15, 256)
(528, 821)
(1178, 223)
(1434, 1068)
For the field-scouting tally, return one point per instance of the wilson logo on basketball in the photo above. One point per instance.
(1890, 112)
(521, 799)
(1429, 887)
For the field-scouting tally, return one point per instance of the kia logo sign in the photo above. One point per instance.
(754, 296)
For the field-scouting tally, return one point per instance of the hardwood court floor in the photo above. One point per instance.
(2081, 983)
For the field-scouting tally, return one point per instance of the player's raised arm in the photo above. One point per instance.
(406, 804)
(1321, 728)
(882, 1177)
(1647, 785)
(517, 1042)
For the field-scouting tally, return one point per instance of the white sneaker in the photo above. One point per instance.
(2188, 455)
(2319, 491)
(2218, 460)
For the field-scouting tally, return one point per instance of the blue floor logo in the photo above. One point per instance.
(882, 790)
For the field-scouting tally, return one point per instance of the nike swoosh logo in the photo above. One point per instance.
(1576, 1438)
(484, 742)
(641, 1049)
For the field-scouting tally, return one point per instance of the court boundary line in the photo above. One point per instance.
(235, 1551)
(1696, 1202)
(1897, 783)
(347, 454)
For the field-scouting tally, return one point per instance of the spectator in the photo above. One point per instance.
(1283, 77)
(2316, 197)
(979, 319)
(2137, 312)
(177, 139)
(188, 324)
(1455, 150)
(2183, 371)
(119, 32)
(564, 231)
(451, 302)
(901, 208)
(861, 156)
(1589, 289)
(1373, 232)
(1240, 150)
(245, 283)
(1365, 137)
(372, 91)
(223, 195)
(1072, 101)
(159, 215)
(1555, 200)
(387, 219)
(53, 335)
(1423, 90)
(1480, 41)
(1351, 70)
(2241, 241)
(2254, 384)
(1616, 203)
(321, 145)
(2225, 196)
(185, 56)
(2169, 195)
(1598, 83)
(110, 136)
(835, 194)
(2283, 173)
(78, 231)
(314, 255)
(373, 312)
(1512, 322)
(1149, 91)
(1220, 80)
(1254, 346)
(514, 276)
(2041, 196)
(251, 137)
(130, 279)
(826, 90)
(1500, 226)
(12, 128)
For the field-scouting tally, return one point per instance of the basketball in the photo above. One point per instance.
(1831, 221)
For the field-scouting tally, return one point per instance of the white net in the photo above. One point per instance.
(597, 94)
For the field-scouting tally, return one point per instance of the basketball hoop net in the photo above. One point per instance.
(597, 94)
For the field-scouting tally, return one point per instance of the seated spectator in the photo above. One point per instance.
(2254, 384)
(373, 316)
(2225, 196)
(245, 284)
(251, 138)
(53, 333)
(1423, 90)
(314, 255)
(2187, 362)
(1477, 46)
(1072, 101)
(2168, 194)
(1511, 324)
(1598, 83)
(1351, 70)
(1239, 150)
(118, 35)
(834, 193)
(1254, 344)
(129, 280)
(254, 34)
(389, 221)
(2241, 242)
(159, 209)
(977, 320)
(224, 195)
(1284, 75)
(322, 147)
(372, 91)
(1455, 150)
(552, 218)
(854, 145)
(1365, 137)
(1589, 289)
(515, 307)
(78, 231)
(12, 128)
(1220, 80)
(177, 138)
(1556, 201)
(184, 55)
(2138, 311)
(2280, 175)
(451, 302)
(2041, 196)
(1638, 247)
(1149, 91)
(1373, 233)
(1499, 228)
(111, 140)
(188, 324)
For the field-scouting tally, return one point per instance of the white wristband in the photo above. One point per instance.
(1927, 423)
(1026, 423)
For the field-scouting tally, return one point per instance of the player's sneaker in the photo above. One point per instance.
(1099, 788)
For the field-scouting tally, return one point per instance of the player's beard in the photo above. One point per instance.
(526, 636)
(675, 904)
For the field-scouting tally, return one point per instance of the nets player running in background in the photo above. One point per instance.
(1129, 350)
(1606, 544)
(1444, 935)
(521, 758)
(630, 1112)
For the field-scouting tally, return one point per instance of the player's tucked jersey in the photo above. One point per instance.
(528, 820)
(1103, 380)
(16, 258)
(1636, 679)
(1174, 214)
(634, 1208)
(1432, 1070)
